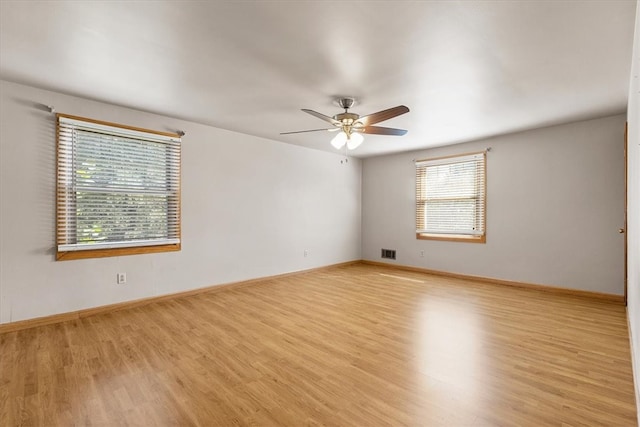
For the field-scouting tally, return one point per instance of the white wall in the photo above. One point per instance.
(633, 208)
(250, 208)
(555, 201)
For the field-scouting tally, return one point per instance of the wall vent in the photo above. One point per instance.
(389, 253)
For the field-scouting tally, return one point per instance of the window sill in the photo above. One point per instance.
(102, 253)
(452, 237)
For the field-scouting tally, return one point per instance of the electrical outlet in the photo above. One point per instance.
(421, 254)
(306, 252)
(121, 278)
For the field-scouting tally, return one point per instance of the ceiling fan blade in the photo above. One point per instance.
(311, 130)
(323, 117)
(379, 130)
(383, 115)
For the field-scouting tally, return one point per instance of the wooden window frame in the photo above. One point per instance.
(457, 237)
(111, 252)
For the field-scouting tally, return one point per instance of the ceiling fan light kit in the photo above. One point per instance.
(352, 141)
(355, 140)
(339, 140)
(352, 126)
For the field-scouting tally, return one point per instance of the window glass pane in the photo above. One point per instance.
(451, 180)
(450, 215)
(109, 217)
(113, 162)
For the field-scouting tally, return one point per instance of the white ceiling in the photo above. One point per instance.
(466, 69)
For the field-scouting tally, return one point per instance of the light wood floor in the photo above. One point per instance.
(350, 346)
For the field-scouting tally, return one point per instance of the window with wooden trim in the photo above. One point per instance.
(118, 189)
(451, 198)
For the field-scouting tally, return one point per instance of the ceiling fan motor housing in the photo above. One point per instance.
(346, 118)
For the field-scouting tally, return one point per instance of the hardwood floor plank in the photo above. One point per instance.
(352, 345)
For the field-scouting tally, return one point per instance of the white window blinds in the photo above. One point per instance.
(450, 195)
(117, 187)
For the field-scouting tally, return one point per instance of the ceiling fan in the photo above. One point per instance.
(352, 126)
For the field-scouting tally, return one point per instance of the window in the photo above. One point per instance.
(118, 189)
(450, 198)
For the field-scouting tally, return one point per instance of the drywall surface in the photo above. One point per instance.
(250, 208)
(633, 209)
(555, 202)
